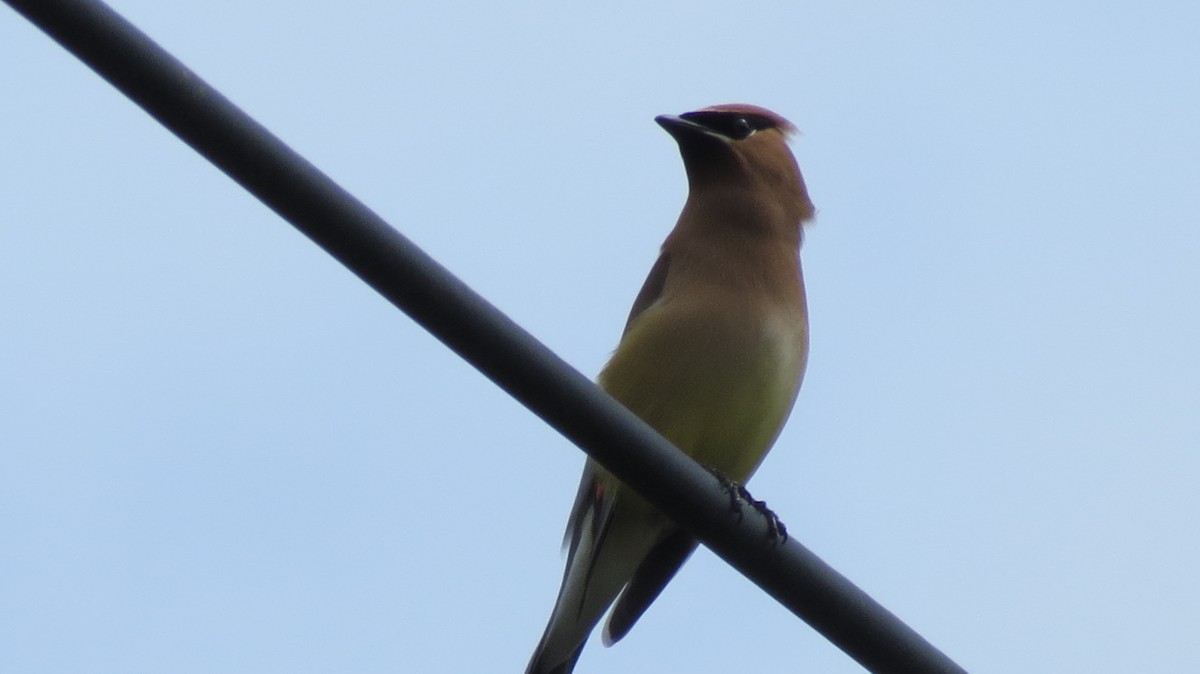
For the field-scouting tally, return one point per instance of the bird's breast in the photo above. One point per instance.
(715, 375)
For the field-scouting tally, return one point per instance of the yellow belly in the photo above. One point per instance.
(718, 387)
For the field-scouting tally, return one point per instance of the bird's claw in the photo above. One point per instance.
(776, 530)
(734, 491)
(738, 494)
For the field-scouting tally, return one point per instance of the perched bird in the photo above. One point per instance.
(712, 357)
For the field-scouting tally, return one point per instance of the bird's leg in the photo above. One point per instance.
(776, 530)
(738, 494)
(733, 490)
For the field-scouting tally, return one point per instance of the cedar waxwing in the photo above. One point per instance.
(712, 357)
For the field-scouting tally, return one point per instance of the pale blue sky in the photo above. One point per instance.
(221, 452)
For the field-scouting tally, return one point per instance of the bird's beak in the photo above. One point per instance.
(681, 129)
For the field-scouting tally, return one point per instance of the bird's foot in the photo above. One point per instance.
(776, 530)
(738, 494)
(733, 490)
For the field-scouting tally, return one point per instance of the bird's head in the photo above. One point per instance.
(737, 151)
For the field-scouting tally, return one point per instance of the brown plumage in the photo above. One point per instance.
(712, 357)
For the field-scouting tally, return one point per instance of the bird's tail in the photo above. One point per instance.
(606, 542)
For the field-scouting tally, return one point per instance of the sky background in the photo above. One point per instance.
(221, 452)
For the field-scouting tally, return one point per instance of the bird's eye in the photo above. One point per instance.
(732, 125)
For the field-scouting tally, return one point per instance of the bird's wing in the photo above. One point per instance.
(657, 569)
(651, 290)
(648, 582)
(588, 498)
(591, 514)
(592, 511)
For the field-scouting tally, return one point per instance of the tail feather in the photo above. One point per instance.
(648, 581)
(608, 540)
(540, 663)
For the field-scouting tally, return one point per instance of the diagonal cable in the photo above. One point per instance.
(478, 332)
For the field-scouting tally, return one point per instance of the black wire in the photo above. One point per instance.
(478, 332)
